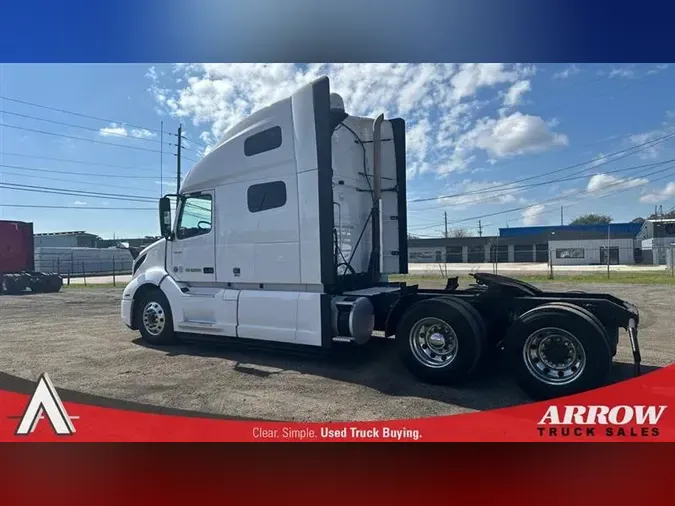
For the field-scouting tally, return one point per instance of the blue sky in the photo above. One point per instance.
(472, 130)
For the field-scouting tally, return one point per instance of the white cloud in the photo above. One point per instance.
(113, 129)
(600, 182)
(658, 68)
(517, 134)
(659, 196)
(654, 147)
(79, 203)
(515, 94)
(440, 103)
(167, 181)
(472, 76)
(121, 131)
(568, 72)
(142, 133)
(479, 193)
(622, 73)
(533, 215)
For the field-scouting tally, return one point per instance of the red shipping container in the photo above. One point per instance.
(16, 246)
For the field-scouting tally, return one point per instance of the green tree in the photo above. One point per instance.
(592, 219)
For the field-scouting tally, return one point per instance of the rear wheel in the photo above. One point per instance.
(154, 318)
(557, 350)
(439, 341)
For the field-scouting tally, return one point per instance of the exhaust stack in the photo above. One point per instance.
(376, 259)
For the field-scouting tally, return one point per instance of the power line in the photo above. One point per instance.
(594, 197)
(554, 199)
(84, 208)
(75, 181)
(75, 193)
(188, 158)
(622, 190)
(25, 102)
(126, 136)
(644, 145)
(93, 174)
(195, 142)
(70, 160)
(595, 194)
(515, 189)
(79, 138)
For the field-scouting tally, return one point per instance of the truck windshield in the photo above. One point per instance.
(195, 217)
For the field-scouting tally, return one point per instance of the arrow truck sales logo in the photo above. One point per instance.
(599, 420)
(45, 401)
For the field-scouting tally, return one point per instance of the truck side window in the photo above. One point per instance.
(266, 196)
(267, 140)
(195, 217)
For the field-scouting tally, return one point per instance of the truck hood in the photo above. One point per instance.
(136, 252)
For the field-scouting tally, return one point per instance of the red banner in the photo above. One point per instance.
(631, 411)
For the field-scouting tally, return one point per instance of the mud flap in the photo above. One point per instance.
(635, 345)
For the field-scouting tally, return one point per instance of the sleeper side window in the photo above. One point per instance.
(195, 217)
(267, 140)
(264, 196)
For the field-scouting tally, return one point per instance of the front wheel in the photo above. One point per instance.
(154, 318)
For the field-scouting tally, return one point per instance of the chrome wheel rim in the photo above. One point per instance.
(154, 318)
(554, 356)
(433, 343)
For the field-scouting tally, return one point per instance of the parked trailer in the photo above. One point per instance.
(286, 233)
(17, 262)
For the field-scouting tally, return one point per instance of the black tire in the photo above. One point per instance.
(468, 343)
(482, 328)
(155, 303)
(590, 342)
(472, 311)
(54, 283)
(9, 285)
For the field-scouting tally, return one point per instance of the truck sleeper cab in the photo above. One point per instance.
(287, 231)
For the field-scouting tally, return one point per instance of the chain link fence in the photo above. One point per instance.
(83, 262)
(554, 262)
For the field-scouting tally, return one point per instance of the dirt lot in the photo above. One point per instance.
(77, 337)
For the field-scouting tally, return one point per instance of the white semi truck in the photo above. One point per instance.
(287, 231)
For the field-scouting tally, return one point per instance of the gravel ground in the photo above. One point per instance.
(77, 337)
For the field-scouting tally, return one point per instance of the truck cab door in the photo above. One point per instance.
(192, 253)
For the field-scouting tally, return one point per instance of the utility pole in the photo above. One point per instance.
(180, 142)
(480, 229)
(161, 158)
(608, 248)
(445, 213)
(561, 216)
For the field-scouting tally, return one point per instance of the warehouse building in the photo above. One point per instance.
(476, 250)
(79, 239)
(563, 245)
(655, 238)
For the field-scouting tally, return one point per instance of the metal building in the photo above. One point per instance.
(655, 238)
(570, 245)
(78, 239)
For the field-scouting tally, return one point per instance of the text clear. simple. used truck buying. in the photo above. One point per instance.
(287, 231)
